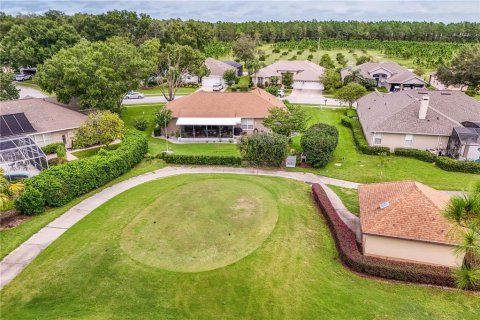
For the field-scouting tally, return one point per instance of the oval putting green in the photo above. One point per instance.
(200, 225)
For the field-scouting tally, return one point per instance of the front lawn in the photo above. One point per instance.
(349, 198)
(94, 151)
(348, 164)
(112, 266)
(156, 145)
(158, 92)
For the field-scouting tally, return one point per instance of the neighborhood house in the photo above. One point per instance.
(306, 74)
(390, 75)
(208, 116)
(217, 69)
(418, 119)
(403, 221)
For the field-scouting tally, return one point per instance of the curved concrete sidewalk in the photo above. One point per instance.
(19, 258)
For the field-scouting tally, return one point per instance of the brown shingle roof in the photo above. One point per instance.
(398, 112)
(45, 116)
(414, 212)
(202, 104)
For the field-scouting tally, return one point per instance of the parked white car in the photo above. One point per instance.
(217, 87)
(281, 93)
(23, 77)
(134, 95)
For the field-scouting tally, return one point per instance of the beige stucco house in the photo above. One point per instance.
(387, 74)
(217, 116)
(418, 119)
(306, 74)
(403, 221)
(50, 121)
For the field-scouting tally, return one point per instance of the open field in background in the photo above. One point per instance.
(100, 279)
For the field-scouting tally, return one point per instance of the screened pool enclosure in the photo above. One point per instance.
(21, 157)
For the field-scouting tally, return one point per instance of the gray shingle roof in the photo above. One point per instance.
(216, 67)
(398, 112)
(367, 69)
(302, 70)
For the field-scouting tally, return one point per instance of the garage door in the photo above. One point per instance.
(307, 85)
(211, 80)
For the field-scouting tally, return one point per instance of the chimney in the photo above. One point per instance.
(422, 113)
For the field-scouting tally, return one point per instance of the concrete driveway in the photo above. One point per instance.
(147, 99)
(27, 91)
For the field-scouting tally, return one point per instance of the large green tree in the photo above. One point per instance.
(244, 48)
(98, 74)
(101, 127)
(8, 91)
(326, 62)
(36, 40)
(174, 63)
(350, 93)
(287, 120)
(331, 79)
(463, 70)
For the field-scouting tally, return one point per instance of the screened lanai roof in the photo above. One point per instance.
(20, 154)
(466, 135)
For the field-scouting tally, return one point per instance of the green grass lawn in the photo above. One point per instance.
(157, 145)
(12, 238)
(367, 169)
(293, 273)
(157, 91)
(94, 151)
(349, 198)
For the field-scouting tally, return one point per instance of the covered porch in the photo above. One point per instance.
(208, 129)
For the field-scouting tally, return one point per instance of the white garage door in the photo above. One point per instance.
(211, 80)
(308, 85)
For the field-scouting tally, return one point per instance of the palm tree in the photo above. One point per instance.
(8, 191)
(465, 212)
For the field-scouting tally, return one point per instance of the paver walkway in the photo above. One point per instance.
(19, 258)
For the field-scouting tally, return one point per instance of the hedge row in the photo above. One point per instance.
(52, 147)
(202, 160)
(60, 184)
(450, 164)
(359, 138)
(351, 256)
(422, 155)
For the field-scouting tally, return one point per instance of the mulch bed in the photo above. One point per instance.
(11, 218)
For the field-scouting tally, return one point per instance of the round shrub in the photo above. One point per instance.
(31, 202)
(141, 124)
(264, 149)
(318, 144)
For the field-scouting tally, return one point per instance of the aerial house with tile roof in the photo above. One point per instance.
(403, 221)
(214, 116)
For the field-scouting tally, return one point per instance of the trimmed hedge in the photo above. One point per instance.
(359, 138)
(351, 256)
(202, 160)
(60, 184)
(450, 164)
(52, 147)
(422, 155)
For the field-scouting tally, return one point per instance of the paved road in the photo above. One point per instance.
(27, 91)
(22, 256)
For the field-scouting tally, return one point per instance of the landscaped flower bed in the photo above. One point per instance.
(351, 256)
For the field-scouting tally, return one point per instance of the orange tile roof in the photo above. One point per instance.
(414, 212)
(203, 104)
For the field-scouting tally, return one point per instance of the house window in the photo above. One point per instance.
(247, 124)
(377, 138)
(409, 139)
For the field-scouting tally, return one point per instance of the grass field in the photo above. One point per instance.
(12, 238)
(362, 168)
(293, 274)
(349, 198)
(94, 151)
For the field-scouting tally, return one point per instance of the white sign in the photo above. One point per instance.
(291, 161)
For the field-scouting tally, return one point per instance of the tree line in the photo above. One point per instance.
(30, 39)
